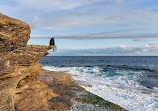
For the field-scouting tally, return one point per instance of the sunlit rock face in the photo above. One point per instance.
(13, 33)
(15, 66)
(17, 59)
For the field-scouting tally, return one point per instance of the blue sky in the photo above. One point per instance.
(90, 27)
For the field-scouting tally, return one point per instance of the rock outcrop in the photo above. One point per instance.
(57, 91)
(9, 83)
(24, 86)
(13, 33)
(17, 60)
(22, 62)
(23, 56)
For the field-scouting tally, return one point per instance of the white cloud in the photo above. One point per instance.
(148, 45)
(151, 45)
(41, 16)
(52, 4)
(70, 19)
(123, 47)
(114, 51)
(60, 4)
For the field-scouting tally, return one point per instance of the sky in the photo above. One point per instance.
(90, 27)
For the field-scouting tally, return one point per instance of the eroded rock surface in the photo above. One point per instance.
(17, 61)
(57, 91)
(5, 67)
(9, 83)
(13, 33)
(19, 64)
(23, 56)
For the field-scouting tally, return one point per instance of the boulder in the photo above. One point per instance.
(13, 33)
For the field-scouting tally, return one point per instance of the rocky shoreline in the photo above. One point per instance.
(24, 86)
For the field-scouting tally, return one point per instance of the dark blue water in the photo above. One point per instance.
(147, 65)
(131, 82)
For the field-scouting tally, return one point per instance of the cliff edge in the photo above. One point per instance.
(24, 86)
(13, 33)
(17, 59)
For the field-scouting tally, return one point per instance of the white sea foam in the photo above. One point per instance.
(122, 90)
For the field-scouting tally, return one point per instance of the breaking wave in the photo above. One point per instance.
(123, 87)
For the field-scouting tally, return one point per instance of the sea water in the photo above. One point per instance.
(131, 82)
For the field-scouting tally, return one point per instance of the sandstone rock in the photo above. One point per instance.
(33, 95)
(57, 91)
(15, 66)
(13, 33)
(23, 56)
(8, 85)
(31, 91)
(5, 67)
(17, 60)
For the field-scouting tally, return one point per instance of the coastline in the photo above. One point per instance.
(62, 92)
(24, 86)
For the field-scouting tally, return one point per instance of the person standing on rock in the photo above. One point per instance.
(52, 44)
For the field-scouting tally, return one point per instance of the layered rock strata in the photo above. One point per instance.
(17, 59)
(22, 62)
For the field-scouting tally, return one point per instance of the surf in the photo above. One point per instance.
(118, 86)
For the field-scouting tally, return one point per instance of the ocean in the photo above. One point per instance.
(129, 81)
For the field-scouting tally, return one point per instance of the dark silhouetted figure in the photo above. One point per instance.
(52, 44)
